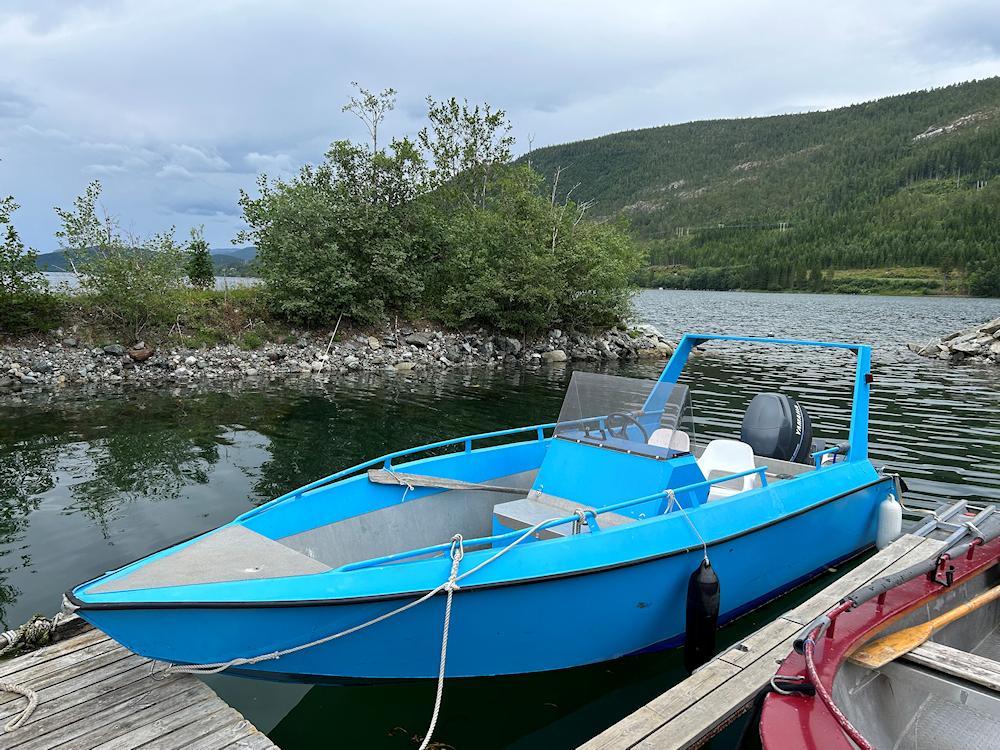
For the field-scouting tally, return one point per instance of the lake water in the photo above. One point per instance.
(92, 480)
(69, 281)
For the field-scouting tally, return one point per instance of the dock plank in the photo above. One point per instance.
(691, 712)
(95, 727)
(873, 567)
(183, 737)
(49, 653)
(72, 722)
(180, 712)
(49, 675)
(233, 732)
(636, 727)
(258, 741)
(747, 651)
(703, 719)
(94, 694)
(75, 689)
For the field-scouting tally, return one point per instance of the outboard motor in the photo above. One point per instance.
(775, 426)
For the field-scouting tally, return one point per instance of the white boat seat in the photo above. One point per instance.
(538, 507)
(674, 439)
(722, 457)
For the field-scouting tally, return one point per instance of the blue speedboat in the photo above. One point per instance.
(564, 544)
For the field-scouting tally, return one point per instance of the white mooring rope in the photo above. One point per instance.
(450, 586)
(36, 632)
(674, 501)
(31, 695)
(457, 553)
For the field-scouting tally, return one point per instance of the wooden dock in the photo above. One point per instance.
(94, 694)
(693, 711)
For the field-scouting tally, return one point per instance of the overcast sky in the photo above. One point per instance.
(175, 105)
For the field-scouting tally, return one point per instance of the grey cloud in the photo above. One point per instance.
(203, 208)
(101, 169)
(269, 163)
(197, 159)
(174, 172)
(14, 105)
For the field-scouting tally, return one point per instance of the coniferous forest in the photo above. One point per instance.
(897, 195)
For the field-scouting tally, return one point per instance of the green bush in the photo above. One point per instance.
(200, 272)
(342, 237)
(466, 236)
(133, 282)
(33, 312)
(26, 305)
(984, 281)
(521, 263)
(251, 340)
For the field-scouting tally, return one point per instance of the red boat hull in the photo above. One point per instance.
(796, 722)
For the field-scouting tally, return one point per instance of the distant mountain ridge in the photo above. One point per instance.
(226, 261)
(778, 202)
(245, 254)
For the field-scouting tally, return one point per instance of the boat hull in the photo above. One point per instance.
(901, 705)
(544, 622)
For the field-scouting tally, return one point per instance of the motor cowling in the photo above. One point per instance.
(776, 426)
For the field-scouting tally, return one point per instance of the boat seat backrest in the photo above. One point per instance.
(674, 439)
(722, 457)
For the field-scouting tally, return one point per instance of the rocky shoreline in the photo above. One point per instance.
(63, 359)
(979, 344)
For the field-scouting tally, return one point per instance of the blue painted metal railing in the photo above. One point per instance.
(387, 459)
(512, 535)
(858, 437)
(835, 450)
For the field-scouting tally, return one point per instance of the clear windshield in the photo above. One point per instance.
(631, 414)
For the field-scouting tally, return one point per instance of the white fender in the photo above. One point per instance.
(890, 522)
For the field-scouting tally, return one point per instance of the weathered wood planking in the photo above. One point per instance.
(402, 479)
(94, 694)
(692, 711)
(971, 667)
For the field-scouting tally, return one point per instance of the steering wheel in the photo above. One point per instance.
(619, 420)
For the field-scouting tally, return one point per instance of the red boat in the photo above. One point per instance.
(936, 627)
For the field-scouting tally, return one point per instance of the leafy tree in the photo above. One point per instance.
(25, 304)
(19, 275)
(371, 108)
(522, 262)
(984, 281)
(342, 237)
(465, 236)
(134, 282)
(512, 256)
(200, 271)
(466, 145)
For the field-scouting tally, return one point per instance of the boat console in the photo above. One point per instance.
(603, 452)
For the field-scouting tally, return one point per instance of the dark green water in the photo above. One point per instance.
(92, 480)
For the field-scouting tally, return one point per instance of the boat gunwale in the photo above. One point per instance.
(345, 601)
(863, 623)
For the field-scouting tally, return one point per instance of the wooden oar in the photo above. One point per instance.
(882, 651)
(381, 476)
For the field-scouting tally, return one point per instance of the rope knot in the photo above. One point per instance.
(457, 548)
(451, 587)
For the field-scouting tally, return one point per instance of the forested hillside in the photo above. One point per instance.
(909, 183)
